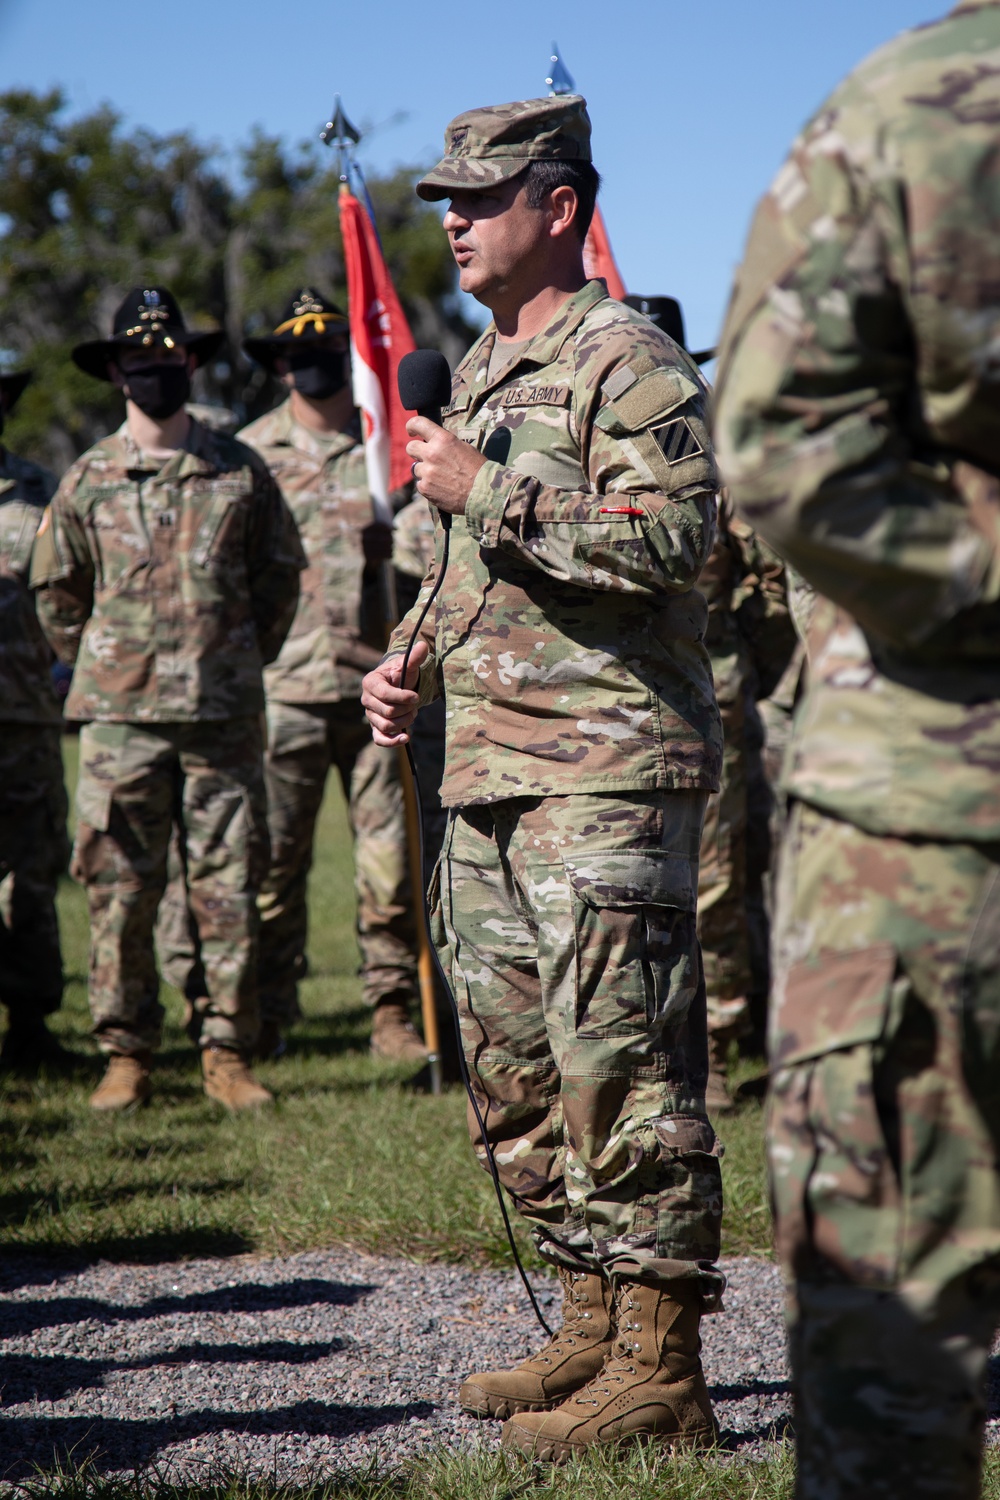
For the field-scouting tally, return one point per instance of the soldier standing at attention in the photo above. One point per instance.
(33, 845)
(582, 742)
(167, 571)
(313, 447)
(859, 430)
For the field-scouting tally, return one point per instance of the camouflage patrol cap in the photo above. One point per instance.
(492, 144)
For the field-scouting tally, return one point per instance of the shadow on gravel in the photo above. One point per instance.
(111, 1444)
(776, 1430)
(185, 1243)
(750, 1388)
(51, 1377)
(18, 1318)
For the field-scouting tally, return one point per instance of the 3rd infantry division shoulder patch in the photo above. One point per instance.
(676, 441)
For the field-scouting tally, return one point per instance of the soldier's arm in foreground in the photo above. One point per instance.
(645, 525)
(851, 348)
(63, 572)
(760, 604)
(275, 561)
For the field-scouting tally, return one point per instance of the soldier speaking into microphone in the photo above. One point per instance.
(582, 742)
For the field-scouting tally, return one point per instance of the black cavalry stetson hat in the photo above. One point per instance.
(148, 315)
(308, 316)
(667, 314)
(11, 387)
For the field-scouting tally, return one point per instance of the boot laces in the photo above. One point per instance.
(617, 1365)
(565, 1338)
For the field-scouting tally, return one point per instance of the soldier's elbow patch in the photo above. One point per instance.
(834, 1001)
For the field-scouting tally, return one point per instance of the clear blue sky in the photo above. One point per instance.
(694, 102)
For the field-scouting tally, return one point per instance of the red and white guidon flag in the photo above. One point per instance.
(598, 259)
(380, 336)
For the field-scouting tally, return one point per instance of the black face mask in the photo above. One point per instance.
(320, 373)
(158, 390)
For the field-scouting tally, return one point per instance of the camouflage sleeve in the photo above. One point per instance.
(821, 431)
(276, 559)
(63, 574)
(760, 605)
(427, 686)
(645, 524)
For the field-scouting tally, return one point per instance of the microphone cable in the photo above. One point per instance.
(438, 966)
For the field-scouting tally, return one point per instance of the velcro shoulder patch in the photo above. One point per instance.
(653, 396)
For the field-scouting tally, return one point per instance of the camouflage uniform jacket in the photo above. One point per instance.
(324, 482)
(168, 584)
(26, 692)
(569, 632)
(858, 425)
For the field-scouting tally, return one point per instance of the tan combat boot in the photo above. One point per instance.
(125, 1084)
(650, 1389)
(394, 1036)
(571, 1357)
(228, 1079)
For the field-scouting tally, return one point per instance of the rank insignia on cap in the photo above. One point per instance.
(306, 302)
(676, 441)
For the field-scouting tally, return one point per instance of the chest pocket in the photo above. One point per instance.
(119, 540)
(218, 527)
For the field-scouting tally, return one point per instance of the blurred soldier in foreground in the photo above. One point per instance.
(582, 742)
(748, 640)
(859, 428)
(33, 845)
(312, 445)
(167, 568)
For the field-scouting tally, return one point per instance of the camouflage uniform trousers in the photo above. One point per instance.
(303, 742)
(722, 884)
(883, 1137)
(177, 949)
(566, 925)
(137, 782)
(33, 854)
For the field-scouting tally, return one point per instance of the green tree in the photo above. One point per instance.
(88, 209)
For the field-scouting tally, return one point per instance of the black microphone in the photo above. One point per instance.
(424, 382)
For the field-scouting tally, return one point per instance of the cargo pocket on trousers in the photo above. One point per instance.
(435, 910)
(633, 914)
(689, 1207)
(833, 1180)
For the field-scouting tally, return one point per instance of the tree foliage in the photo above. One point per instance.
(88, 209)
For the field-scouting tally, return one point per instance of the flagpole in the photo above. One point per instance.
(341, 133)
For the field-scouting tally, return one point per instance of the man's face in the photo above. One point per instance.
(492, 233)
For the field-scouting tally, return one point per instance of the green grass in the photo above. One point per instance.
(350, 1155)
(633, 1475)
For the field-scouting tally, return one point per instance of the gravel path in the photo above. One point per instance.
(299, 1366)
